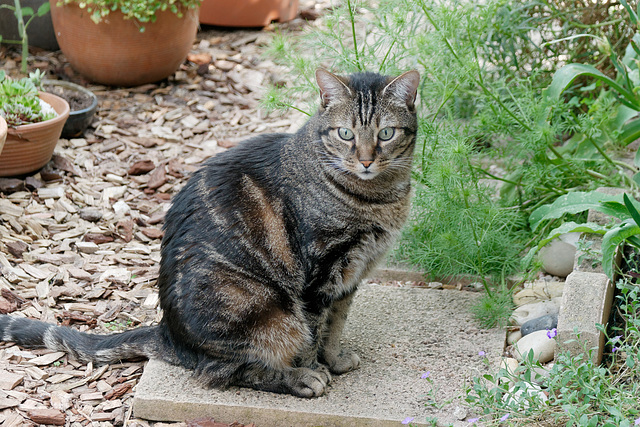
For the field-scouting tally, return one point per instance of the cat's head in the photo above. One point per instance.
(368, 122)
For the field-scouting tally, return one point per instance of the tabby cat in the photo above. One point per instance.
(266, 244)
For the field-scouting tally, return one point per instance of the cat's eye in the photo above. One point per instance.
(386, 134)
(346, 134)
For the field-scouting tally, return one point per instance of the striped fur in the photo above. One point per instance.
(266, 244)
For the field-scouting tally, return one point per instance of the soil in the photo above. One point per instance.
(77, 100)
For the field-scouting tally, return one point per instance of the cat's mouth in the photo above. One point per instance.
(366, 174)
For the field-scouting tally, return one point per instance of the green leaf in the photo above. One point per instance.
(614, 411)
(629, 132)
(576, 202)
(630, 362)
(632, 13)
(632, 209)
(610, 242)
(27, 11)
(567, 74)
(43, 9)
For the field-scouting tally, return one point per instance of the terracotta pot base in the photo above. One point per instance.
(29, 147)
(247, 13)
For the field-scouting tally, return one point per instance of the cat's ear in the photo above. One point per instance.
(404, 87)
(331, 87)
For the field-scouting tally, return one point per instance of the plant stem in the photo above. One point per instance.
(353, 34)
(22, 31)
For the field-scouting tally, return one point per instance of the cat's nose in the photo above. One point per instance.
(366, 163)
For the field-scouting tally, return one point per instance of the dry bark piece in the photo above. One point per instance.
(97, 238)
(118, 391)
(7, 306)
(47, 416)
(125, 229)
(11, 185)
(9, 380)
(16, 248)
(200, 58)
(205, 422)
(65, 164)
(8, 402)
(229, 142)
(158, 178)
(152, 232)
(33, 183)
(12, 296)
(141, 167)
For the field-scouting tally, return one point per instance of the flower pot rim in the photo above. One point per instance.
(3, 125)
(77, 88)
(62, 116)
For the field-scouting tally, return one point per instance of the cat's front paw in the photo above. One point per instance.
(310, 382)
(342, 362)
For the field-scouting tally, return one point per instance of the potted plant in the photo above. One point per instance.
(247, 13)
(125, 43)
(34, 119)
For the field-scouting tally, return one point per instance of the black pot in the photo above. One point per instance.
(79, 120)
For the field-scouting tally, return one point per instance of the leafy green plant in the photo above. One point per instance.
(481, 120)
(21, 13)
(143, 11)
(576, 390)
(19, 100)
(618, 206)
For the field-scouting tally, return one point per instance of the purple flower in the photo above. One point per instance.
(425, 375)
(407, 420)
(616, 338)
(613, 350)
(552, 333)
(473, 420)
(637, 422)
(481, 353)
(504, 417)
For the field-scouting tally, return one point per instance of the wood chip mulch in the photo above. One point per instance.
(80, 239)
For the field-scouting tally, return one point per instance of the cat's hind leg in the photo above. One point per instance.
(268, 357)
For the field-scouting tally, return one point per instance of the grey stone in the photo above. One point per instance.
(586, 301)
(534, 310)
(399, 334)
(557, 258)
(542, 323)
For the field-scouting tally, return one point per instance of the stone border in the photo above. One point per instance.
(587, 297)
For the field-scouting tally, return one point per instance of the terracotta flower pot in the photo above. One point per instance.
(3, 133)
(247, 13)
(30, 147)
(115, 52)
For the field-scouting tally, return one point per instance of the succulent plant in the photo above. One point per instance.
(19, 100)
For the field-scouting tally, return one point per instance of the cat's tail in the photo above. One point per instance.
(85, 347)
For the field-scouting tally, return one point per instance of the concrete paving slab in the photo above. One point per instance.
(586, 302)
(399, 333)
